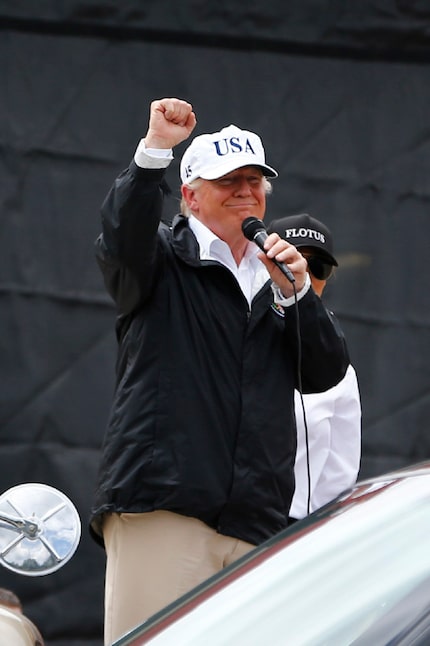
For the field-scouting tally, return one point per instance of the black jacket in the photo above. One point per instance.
(202, 421)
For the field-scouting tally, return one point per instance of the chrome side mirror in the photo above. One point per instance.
(40, 529)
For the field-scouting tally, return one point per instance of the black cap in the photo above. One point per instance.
(304, 231)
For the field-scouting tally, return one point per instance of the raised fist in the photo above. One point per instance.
(170, 122)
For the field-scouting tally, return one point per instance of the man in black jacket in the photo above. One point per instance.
(198, 460)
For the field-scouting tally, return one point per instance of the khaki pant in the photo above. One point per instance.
(154, 558)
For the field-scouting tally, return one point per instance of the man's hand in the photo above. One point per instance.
(170, 122)
(287, 253)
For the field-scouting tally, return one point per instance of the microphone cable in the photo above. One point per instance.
(300, 392)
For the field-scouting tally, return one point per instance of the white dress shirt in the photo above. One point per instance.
(334, 433)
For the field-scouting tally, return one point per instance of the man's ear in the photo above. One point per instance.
(188, 194)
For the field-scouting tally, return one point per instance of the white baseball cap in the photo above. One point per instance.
(211, 156)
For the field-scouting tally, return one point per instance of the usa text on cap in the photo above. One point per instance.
(211, 156)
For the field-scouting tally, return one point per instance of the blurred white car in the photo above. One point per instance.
(17, 630)
(357, 571)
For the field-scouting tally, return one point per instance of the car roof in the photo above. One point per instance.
(396, 489)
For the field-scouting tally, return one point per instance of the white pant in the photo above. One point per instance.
(154, 558)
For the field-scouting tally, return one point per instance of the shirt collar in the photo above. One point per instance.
(251, 273)
(213, 247)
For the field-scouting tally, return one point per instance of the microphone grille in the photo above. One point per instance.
(251, 226)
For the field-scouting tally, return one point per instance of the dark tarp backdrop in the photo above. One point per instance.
(340, 96)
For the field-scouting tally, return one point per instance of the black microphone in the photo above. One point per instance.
(255, 230)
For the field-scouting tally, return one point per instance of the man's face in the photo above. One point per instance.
(222, 204)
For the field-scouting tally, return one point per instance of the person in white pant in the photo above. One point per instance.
(327, 462)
